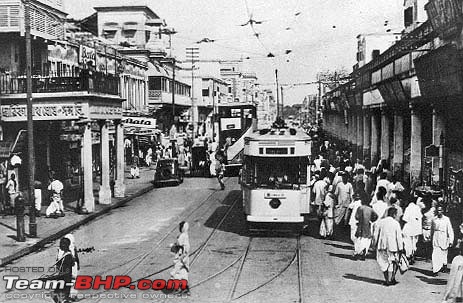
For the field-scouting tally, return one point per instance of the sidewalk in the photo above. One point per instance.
(50, 230)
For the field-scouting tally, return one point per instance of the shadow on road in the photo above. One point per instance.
(342, 256)
(422, 271)
(432, 281)
(347, 247)
(235, 222)
(363, 279)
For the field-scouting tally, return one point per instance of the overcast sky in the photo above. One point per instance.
(322, 36)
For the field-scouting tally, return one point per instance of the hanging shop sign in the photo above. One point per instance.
(42, 112)
(87, 54)
(139, 122)
(455, 185)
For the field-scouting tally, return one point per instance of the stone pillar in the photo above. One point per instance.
(119, 188)
(374, 139)
(89, 200)
(415, 153)
(385, 135)
(366, 134)
(398, 158)
(359, 135)
(438, 126)
(105, 188)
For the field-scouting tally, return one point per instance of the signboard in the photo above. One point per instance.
(105, 112)
(230, 123)
(43, 112)
(87, 54)
(139, 122)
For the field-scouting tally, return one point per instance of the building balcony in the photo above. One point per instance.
(95, 82)
(159, 97)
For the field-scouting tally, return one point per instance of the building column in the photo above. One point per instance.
(415, 152)
(105, 187)
(119, 187)
(385, 135)
(374, 138)
(89, 200)
(398, 158)
(359, 135)
(438, 126)
(366, 133)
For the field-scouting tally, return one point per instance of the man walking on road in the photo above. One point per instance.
(364, 215)
(442, 239)
(389, 241)
(344, 193)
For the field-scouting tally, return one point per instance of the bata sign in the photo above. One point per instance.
(139, 122)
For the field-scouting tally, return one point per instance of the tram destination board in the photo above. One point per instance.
(276, 150)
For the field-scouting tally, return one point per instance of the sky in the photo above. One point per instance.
(321, 34)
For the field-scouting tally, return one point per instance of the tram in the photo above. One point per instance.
(275, 178)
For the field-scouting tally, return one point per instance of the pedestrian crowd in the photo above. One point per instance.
(385, 219)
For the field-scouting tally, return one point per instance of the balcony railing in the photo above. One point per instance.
(53, 83)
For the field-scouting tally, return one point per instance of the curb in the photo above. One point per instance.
(60, 233)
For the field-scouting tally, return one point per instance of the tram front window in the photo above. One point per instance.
(275, 173)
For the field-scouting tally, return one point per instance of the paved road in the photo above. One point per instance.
(262, 267)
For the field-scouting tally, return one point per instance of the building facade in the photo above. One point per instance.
(404, 106)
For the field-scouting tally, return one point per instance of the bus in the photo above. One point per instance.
(236, 121)
(275, 178)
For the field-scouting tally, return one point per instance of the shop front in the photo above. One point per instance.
(63, 143)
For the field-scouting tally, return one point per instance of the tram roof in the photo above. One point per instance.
(279, 134)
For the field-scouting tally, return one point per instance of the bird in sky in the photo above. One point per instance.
(252, 22)
(297, 14)
(205, 40)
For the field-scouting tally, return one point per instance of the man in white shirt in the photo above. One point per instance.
(56, 189)
(442, 239)
(344, 193)
(353, 206)
(319, 190)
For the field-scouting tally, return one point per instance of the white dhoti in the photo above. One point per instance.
(353, 230)
(362, 244)
(439, 258)
(410, 245)
(386, 259)
(326, 227)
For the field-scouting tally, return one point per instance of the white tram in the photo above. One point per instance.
(275, 177)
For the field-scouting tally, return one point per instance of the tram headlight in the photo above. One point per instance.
(275, 203)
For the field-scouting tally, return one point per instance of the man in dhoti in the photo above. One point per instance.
(344, 193)
(442, 239)
(412, 229)
(455, 280)
(389, 241)
(364, 215)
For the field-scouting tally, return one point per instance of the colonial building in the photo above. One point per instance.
(403, 106)
(78, 86)
(139, 33)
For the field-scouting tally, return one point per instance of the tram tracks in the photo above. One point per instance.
(243, 259)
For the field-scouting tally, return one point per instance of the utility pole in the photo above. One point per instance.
(319, 100)
(173, 90)
(282, 104)
(278, 95)
(213, 111)
(192, 53)
(30, 123)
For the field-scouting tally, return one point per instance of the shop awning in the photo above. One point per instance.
(155, 70)
(10, 147)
